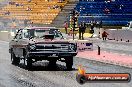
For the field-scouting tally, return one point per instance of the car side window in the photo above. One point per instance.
(18, 35)
(26, 33)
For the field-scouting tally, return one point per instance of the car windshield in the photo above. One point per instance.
(40, 33)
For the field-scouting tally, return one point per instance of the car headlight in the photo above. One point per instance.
(32, 47)
(72, 47)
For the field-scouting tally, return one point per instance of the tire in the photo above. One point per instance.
(29, 63)
(15, 60)
(52, 63)
(81, 79)
(69, 62)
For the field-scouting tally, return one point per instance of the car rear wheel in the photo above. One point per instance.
(15, 60)
(69, 62)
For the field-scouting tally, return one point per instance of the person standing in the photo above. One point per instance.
(81, 31)
(84, 29)
(104, 35)
(66, 26)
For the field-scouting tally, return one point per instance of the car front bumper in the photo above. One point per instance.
(52, 54)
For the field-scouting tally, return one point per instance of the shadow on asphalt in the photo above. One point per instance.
(44, 66)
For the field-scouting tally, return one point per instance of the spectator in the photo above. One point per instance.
(35, 3)
(20, 4)
(95, 23)
(7, 13)
(11, 3)
(107, 11)
(84, 26)
(104, 35)
(17, 4)
(81, 31)
(61, 7)
(31, 24)
(121, 6)
(50, 7)
(55, 6)
(28, 9)
(66, 26)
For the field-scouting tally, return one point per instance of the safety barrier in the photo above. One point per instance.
(4, 35)
(120, 35)
(84, 45)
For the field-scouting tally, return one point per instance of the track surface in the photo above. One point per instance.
(44, 76)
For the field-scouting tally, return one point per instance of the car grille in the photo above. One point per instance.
(53, 47)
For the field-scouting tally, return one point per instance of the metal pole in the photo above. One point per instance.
(73, 33)
(98, 50)
(73, 26)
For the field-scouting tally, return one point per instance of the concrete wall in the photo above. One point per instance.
(120, 35)
(4, 35)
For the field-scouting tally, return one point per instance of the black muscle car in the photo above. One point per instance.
(41, 43)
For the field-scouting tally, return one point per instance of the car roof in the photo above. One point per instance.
(40, 28)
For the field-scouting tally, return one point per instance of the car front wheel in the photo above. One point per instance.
(69, 62)
(52, 62)
(29, 63)
(15, 60)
